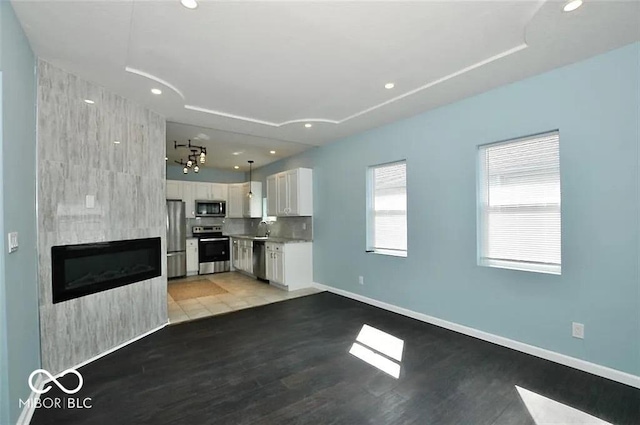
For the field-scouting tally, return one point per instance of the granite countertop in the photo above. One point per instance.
(269, 239)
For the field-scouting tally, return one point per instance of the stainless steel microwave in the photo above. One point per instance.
(207, 208)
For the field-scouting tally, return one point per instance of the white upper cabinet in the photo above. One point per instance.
(190, 192)
(290, 193)
(219, 192)
(189, 198)
(282, 197)
(203, 191)
(252, 205)
(293, 195)
(174, 189)
(272, 196)
(239, 205)
(235, 202)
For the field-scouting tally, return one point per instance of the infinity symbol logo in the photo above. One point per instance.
(55, 381)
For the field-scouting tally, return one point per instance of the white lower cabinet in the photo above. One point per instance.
(290, 264)
(247, 256)
(192, 257)
(275, 263)
(242, 253)
(235, 253)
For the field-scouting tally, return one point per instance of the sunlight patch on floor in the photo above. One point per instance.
(546, 411)
(379, 349)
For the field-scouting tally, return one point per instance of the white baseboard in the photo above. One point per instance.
(595, 369)
(29, 409)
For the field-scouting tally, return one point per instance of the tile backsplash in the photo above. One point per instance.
(230, 226)
(284, 227)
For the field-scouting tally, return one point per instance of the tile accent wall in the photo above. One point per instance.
(77, 157)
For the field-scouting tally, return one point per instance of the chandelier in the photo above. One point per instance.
(198, 154)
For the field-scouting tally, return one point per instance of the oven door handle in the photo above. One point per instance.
(213, 239)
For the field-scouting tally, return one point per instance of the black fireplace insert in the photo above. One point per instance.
(79, 270)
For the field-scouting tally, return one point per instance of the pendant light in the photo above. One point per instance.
(196, 169)
(250, 194)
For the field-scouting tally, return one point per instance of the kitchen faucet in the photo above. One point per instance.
(268, 230)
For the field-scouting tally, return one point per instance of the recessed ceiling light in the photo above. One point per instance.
(89, 101)
(389, 86)
(308, 125)
(189, 4)
(156, 91)
(572, 5)
(117, 142)
(237, 153)
(236, 167)
(272, 152)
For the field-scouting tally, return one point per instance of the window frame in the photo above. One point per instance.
(482, 190)
(370, 214)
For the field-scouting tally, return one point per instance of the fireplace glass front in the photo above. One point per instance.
(80, 270)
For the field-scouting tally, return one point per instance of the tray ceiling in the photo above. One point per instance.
(265, 69)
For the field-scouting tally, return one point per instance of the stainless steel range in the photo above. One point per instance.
(213, 249)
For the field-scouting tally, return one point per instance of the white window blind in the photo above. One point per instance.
(388, 209)
(519, 204)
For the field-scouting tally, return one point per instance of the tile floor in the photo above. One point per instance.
(242, 292)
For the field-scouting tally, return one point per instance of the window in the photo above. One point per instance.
(387, 210)
(519, 204)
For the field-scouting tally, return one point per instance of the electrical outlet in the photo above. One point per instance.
(577, 330)
(361, 280)
(304, 226)
(90, 201)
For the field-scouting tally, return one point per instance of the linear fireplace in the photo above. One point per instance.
(79, 270)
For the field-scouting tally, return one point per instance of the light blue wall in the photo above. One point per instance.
(595, 105)
(4, 375)
(206, 174)
(19, 207)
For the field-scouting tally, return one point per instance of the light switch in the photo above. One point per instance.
(90, 201)
(13, 241)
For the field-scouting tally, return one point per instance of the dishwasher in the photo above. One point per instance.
(259, 260)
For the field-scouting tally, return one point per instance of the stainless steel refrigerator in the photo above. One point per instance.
(176, 239)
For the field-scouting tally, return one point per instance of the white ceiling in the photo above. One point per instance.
(226, 149)
(257, 71)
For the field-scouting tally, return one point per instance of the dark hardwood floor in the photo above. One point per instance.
(289, 363)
